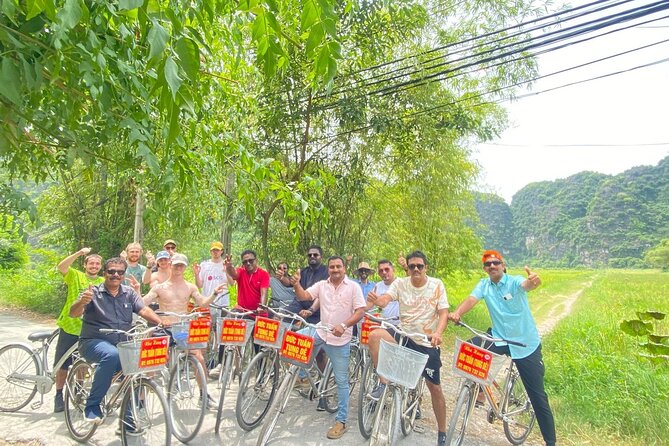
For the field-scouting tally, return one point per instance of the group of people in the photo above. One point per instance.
(319, 292)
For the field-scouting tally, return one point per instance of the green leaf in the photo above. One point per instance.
(315, 38)
(656, 349)
(71, 14)
(172, 76)
(309, 15)
(189, 56)
(9, 9)
(636, 327)
(34, 8)
(650, 314)
(126, 5)
(659, 339)
(150, 158)
(10, 86)
(158, 38)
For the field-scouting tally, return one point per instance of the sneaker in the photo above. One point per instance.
(336, 431)
(93, 415)
(215, 373)
(321, 405)
(211, 403)
(441, 439)
(419, 414)
(480, 399)
(303, 384)
(376, 393)
(129, 432)
(58, 404)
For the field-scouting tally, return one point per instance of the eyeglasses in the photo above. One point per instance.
(248, 261)
(418, 266)
(116, 272)
(492, 262)
(313, 254)
(170, 247)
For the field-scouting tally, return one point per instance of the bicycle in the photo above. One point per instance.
(187, 394)
(508, 402)
(25, 370)
(398, 404)
(144, 418)
(261, 377)
(234, 332)
(296, 350)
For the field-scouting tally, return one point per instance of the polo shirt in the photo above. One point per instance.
(249, 286)
(510, 313)
(107, 311)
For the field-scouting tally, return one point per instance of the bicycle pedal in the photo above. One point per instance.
(36, 405)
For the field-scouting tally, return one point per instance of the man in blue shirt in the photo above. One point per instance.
(363, 272)
(506, 299)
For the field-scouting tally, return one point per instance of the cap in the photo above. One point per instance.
(216, 245)
(491, 254)
(363, 265)
(162, 255)
(179, 259)
(168, 241)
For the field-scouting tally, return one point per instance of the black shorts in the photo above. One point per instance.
(431, 372)
(65, 341)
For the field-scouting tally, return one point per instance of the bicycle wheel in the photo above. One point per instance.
(329, 396)
(410, 403)
(518, 412)
(366, 405)
(278, 405)
(355, 366)
(460, 417)
(145, 419)
(187, 402)
(257, 389)
(387, 418)
(75, 393)
(224, 380)
(15, 392)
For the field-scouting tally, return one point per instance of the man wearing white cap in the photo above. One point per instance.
(162, 273)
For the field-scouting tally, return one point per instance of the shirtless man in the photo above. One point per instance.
(163, 272)
(173, 296)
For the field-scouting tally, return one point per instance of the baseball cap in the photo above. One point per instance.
(491, 254)
(363, 265)
(179, 259)
(162, 255)
(169, 241)
(216, 245)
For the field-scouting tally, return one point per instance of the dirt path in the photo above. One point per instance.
(560, 310)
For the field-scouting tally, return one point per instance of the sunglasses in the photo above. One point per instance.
(492, 262)
(170, 247)
(116, 272)
(313, 254)
(248, 261)
(418, 266)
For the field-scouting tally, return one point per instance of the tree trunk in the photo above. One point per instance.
(226, 223)
(138, 235)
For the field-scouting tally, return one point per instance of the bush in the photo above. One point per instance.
(12, 250)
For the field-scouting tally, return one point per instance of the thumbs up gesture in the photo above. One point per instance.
(87, 295)
(532, 278)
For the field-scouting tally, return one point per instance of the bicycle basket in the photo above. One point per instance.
(196, 331)
(269, 332)
(400, 365)
(297, 349)
(476, 363)
(143, 355)
(234, 331)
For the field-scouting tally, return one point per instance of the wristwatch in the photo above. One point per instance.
(343, 325)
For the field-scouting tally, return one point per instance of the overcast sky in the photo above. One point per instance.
(607, 125)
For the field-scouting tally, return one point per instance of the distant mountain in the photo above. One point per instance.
(588, 219)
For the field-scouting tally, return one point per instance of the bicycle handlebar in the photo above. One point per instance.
(132, 333)
(285, 314)
(414, 336)
(380, 319)
(182, 316)
(485, 336)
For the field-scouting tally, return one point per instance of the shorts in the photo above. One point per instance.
(65, 341)
(431, 371)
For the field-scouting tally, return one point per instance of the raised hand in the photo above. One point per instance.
(196, 268)
(84, 251)
(296, 277)
(150, 260)
(134, 283)
(87, 295)
(123, 255)
(532, 278)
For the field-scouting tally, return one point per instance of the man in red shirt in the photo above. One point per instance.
(252, 281)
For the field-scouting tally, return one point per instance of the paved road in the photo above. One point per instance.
(39, 426)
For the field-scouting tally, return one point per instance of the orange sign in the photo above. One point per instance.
(198, 331)
(233, 330)
(366, 328)
(297, 347)
(153, 352)
(474, 361)
(266, 330)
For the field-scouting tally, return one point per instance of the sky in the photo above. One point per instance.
(607, 125)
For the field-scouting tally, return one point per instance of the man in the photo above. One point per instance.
(315, 271)
(281, 289)
(174, 294)
(423, 309)
(162, 272)
(69, 328)
(506, 300)
(386, 271)
(363, 272)
(252, 281)
(170, 246)
(342, 306)
(108, 305)
(141, 273)
(211, 273)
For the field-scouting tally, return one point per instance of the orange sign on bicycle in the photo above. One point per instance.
(474, 361)
(366, 328)
(198, 330)
(153, 352)
(233, 330)
(297, 347)
(266, 330)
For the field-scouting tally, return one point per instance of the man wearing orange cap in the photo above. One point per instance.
(506, 299)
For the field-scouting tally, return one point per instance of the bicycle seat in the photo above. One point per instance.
(39, 335)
